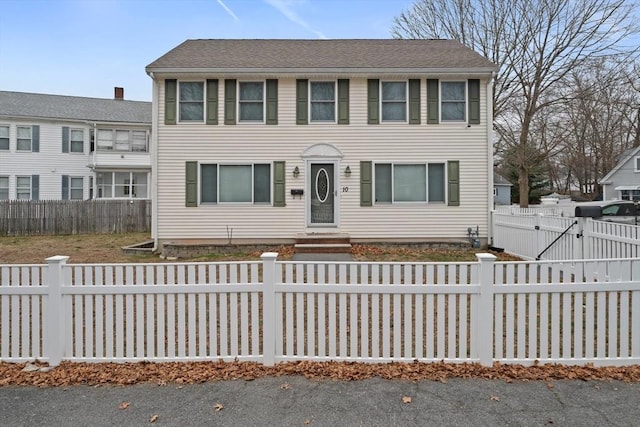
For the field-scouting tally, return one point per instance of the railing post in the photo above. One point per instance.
(268, 308)
(484, 330)
(540, 235)
(53, 328)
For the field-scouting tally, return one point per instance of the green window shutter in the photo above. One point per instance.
(35, 138)
(433, 103)
(65, 187)
(366, 184)
(453, 175)
(474, 101)
(414, 101)
(302, 101)
(230, 102)
(343, 101)
(373, 101)
(212, 101)
(272, 102)
(170, 101)
(65, 139)
(191, 180)
(279, 182)
(35, 187)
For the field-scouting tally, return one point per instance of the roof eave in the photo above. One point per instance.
(333, 70)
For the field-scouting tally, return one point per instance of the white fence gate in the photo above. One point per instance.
(572, 312)
(548, 237)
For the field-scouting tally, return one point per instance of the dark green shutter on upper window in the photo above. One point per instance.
(433, 103)
(343, 101)
(414, 101)
(35, 138)
(212, 101)
(272, 102)
(366, 184)
(230, 102)
(191, 184)
(373, 101)
(65, 187)
(302, 99)
(279, 182)
(65, 139)
(474, 101)
(170, 101)
(453, 176)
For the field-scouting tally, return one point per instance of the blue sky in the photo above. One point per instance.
(87, 47)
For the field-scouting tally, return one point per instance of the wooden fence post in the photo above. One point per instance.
(484, 330)
(268, 308)
(53, 328)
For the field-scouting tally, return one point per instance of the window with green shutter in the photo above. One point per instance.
(272, 102)
(414, 101)
(302, 99)
(474, 101)
(453, 176)
(230, 102)
(366, 184)
(191, 181)
(279, 184)
(433, 104)
(343, 101)
(373, 101)
(170, 101)
(212, 101)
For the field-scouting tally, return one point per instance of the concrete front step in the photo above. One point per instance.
(323, 243)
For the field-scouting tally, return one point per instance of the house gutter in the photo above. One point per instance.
(335, 70)
(489, 95)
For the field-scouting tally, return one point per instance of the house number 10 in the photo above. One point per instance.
(345, 189)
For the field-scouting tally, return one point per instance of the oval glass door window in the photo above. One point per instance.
(322, 185)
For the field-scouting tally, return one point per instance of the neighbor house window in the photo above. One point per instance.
(129, 185)
(453, 101)
(76, 191)
(251, 101)
(23, 188)
(191, 101)
(24, 138)
(394, 101)
(4, 188)
(630, 194)
(122, 140)
(76, 139)
(235, 183)
(637, 162)
(323, 101)
(4, 137)
(409, 182)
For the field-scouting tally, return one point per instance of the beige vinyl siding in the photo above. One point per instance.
(357, 141)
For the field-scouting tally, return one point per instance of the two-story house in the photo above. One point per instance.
(623, 181)
(267, 140)
(67, 147)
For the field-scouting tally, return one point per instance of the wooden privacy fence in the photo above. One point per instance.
(96, 216)
(269, 311)
(530, 236)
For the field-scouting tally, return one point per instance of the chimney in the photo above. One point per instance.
(118, 93)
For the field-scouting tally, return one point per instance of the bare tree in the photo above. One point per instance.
(536, 43)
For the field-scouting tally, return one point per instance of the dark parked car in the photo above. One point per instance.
(625, 212)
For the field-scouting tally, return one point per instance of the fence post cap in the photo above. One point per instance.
(57, 258)
(269, 255)
(486, 257)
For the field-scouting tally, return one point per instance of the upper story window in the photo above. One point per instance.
(191, 101)
(394, 101)
(323, 102)
(4, 188)
(453, 100)
(4, 137)
(122, 140)
(251, 101)
(24, 138)
(76, 141)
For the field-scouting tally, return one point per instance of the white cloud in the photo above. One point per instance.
(286, 8)
(229, 11)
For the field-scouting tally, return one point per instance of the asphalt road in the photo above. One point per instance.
(296, 401)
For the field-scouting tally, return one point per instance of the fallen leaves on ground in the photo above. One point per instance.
(153, 419)
(218, 407)
(124, 405)
(71, 373)
(406, 399)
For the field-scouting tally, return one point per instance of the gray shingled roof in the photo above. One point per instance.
(37, 105)
(358, 54)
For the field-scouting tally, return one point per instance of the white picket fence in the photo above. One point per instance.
(527, 235)
(269, 311)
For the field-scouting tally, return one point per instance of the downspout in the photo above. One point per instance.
(489, 96)
(154, 161)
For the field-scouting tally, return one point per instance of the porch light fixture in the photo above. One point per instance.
(296, 172)
(347, 171)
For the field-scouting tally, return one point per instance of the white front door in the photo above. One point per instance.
(322, 195)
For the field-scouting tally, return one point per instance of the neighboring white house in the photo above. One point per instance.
(623, 181)
(382, 140)
(67, 147)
